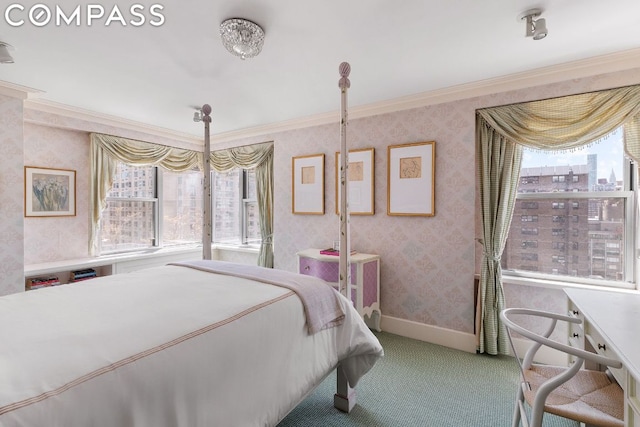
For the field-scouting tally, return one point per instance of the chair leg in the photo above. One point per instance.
(516, 410)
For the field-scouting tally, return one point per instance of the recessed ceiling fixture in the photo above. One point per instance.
(5, 56)
(536, 28)
(241, 37)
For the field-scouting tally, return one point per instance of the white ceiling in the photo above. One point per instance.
(157, 75)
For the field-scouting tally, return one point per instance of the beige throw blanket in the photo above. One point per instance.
(320, 300)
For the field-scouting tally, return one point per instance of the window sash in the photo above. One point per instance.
(236, 210)
(132, 228)
(136, 229)
(629, 238)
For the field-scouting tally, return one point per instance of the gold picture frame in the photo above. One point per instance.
(49, 192)
(307, 183)
(411, 179)
(361, 181)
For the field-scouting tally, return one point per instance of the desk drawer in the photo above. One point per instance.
(599, 345)
(575, 312)
(576, 331)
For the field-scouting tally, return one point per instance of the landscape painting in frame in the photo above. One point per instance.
(49, 192)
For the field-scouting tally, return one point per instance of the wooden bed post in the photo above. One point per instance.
(345, 246)
(345, 397)
(206, 221)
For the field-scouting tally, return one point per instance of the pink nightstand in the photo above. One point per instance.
(365, 279)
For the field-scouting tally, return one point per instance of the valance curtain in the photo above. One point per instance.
(107, 150)
(501, 132)
(260, 158)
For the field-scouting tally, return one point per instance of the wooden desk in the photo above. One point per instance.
(612, 327)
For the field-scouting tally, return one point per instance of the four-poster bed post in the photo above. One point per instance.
(345, 397)
(345, 248)
(206, 220)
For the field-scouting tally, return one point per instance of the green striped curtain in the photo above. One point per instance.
(499, 163)
(501, 132)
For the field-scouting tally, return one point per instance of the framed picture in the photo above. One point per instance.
(307, 179)
(49, 192)
(361, 182)
(411, 179)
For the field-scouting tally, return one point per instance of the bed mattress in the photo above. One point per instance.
(168, 346)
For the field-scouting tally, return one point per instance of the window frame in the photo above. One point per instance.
(629, 193)
(244, 200)
(156, 211)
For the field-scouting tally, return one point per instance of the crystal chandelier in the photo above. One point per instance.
(241, 37)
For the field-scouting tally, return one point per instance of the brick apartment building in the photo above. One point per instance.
(567, 234)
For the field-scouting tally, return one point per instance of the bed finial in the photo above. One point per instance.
(345, 70)
(206, 111)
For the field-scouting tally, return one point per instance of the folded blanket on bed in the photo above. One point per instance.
(320, 300)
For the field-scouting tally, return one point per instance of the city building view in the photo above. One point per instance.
(235, 210)
(128, 222)
(558, 229)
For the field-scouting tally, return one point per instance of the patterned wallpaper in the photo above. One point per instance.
(427, 263)
(58, 238)
(11, 185)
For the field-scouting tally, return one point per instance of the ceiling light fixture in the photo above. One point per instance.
(5, 56)
(241, 37)
(536, 28)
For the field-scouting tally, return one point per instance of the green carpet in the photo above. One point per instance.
(422, 384)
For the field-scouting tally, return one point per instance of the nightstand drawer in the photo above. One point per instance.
(327, 271)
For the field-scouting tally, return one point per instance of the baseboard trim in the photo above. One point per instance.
(429, 333)
(460, 340)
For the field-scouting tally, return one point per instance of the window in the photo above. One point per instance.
(142, 194)
(128, 222)
(595, 182)
(182, 208)
(235, 208)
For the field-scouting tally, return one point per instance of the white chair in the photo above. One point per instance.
(591, 397)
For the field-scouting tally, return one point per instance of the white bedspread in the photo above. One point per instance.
(168, 346)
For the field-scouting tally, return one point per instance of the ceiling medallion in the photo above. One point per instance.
(241, 37)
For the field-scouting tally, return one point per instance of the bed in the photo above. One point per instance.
(201, 343)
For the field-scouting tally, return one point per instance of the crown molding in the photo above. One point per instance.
(618, 61)
(17, 91)
(51, 107)
(540, 76)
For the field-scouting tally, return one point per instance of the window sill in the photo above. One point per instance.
(557, 284)
(104, 260)
(237, 248)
